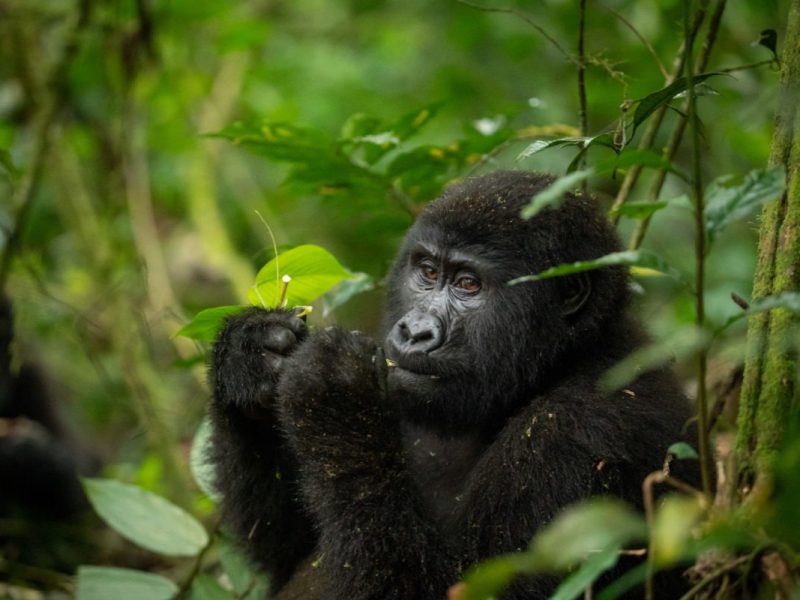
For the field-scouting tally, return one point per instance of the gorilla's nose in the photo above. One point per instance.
(418, 332)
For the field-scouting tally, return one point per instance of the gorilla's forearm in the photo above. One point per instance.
(257, 479)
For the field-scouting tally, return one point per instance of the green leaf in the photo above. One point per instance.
(675, 518)
(624, 583)
(206, 324)
(597, 564)
(487, 580)
(553, 194)
(283, 142)
(7, 163)
(639, 258)
(649, 104)
(202, 470)
(206, 587)
(313, 271)
(683, 343)
(247, 583)
(145, 518)
(682, 451)
(105, 583)
(539, 145)
(640, 210)
(786, 300)
(412, 122)
(596, 525)
(726, 203)
(345, 290)
(600, 525)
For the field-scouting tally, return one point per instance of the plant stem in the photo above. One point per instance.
(582, 112)
(656, 119)
(677, 134)
(700, 262)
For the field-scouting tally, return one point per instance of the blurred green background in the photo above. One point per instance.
(139, 219)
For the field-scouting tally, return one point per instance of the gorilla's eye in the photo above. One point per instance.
(429, 273)
(469, 284)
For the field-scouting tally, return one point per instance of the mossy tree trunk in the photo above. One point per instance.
(770, 389)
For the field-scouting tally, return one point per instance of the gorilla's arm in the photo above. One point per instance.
(375, 540)
(255, 472)
(561, 449)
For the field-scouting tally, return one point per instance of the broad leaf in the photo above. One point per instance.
(639, 258)
(682, 451)
(583, 529)
(726, 203)
(145, 518)
(649, 104)
(787, 300)
(574, 586)
(487, 580)
(206, 587)
(683, 343)
(105, 583)
(674, 521)
(345, 290)
(283, 141)
(553, 194)
(206, 324)
(202, 470)
(247, 583)
(640, 210)
(313, 271)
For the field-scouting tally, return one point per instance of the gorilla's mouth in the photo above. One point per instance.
(423, 365)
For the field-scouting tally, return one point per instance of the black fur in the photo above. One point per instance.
(399, 477)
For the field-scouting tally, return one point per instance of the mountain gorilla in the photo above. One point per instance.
(348, 475)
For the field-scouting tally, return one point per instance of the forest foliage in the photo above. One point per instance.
(167, 163)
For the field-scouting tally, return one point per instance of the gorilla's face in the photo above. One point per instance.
(468, 347)
(456, 331)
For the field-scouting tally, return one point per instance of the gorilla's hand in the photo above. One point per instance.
(250, 355)
(334, 388)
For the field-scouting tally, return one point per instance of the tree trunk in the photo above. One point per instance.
(769, 392)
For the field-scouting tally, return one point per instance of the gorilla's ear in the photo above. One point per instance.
(575, 291)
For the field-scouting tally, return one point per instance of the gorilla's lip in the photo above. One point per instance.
(419, 365)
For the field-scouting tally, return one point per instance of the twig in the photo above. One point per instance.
(656, 119)
(677, 134)
(582, 113)
(727, 567)
(700, 263)
(642, 39)
(53, 91)
(524, 17)
(749, 66)
(649, 513)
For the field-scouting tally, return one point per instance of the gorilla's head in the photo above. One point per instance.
(469, 348)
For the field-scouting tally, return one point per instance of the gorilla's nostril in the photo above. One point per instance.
(418, 332)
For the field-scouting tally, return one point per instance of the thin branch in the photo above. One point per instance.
(749, 66)
(53, 93)
(711, 577)
(649, 137)
(582, 112)
(582, 115)
(677, 134)
(700, 260)
(524, 17)
(641, 38)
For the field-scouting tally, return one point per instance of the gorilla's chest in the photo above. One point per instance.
(440, 468)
